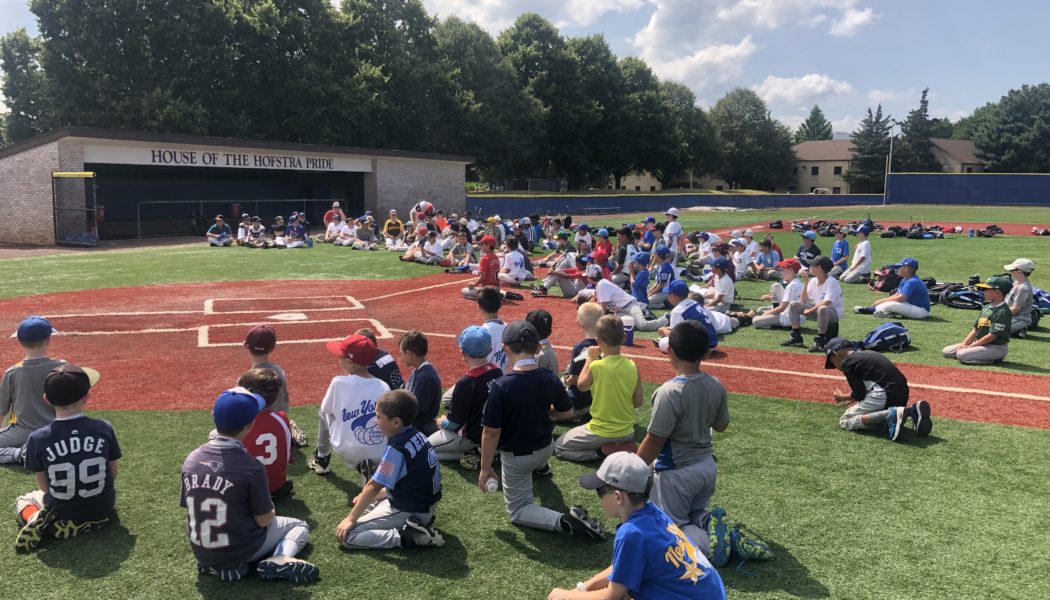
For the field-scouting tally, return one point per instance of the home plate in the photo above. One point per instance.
(293, 316)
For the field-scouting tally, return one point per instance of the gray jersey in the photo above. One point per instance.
(1021, 296)
(547, 359)
(684, 410)
(281, 403)
(22, 392)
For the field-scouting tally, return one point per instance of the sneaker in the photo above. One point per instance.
(471, 461)
(544, 471)
(818, 344)
(34, 532)
(864, 310)
(747, 548)
(367, 468)
(1023, 334)
(288, 568)
(299, 437)
(69, 529)
(921, 417)
(794, 340)
(895, 423)
(415, 534)
(579, 522)
(232, 574)
(539, 292)
(284, 490)
(718, 533)
(20, 459)
(319, 464)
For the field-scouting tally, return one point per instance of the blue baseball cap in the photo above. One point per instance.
(721, 263)
(34, 329)
(584, 227)
(705, 236)
(650, 219)
(810, 235)
(642, 258)
(235, 408)
(678, 288)
(662, 251)
(603, 232)
(865, 230)
(475, 341)
(907, 262)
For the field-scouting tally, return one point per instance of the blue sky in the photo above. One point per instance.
(844, 55)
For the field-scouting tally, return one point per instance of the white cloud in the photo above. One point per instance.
(846, 124)
(497, 15)
(792, 121)
(714, 63)
(884, 96)
(852, 20)
(793, 90)
(952, 115)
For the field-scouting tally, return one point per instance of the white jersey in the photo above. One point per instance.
(751, 252)
(830, 291)
(472, 225)
(740, 262)
(514, 262)
(720, 321)
(672, 232)
(608, 291)
(336, 228)
(495, 328)
(863, 251)
(437, 246)
(724, 287)
(585, 237)
(349, 407)
(792, 293)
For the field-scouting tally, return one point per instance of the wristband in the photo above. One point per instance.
(581, 586)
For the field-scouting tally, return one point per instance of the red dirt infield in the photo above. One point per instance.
(175, 347)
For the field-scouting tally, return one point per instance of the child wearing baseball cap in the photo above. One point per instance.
(459, 430)
(75, 461)
(488, 269)
(989, 340)
(686, 309)
(396, 506)
(652, 558)
(347, 419)
(231, 521)
(21, 411)
(270, 439)
(260, 343)
(781, 294)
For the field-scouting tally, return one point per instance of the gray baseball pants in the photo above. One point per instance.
(976, 355)
(684, 494)
(825, 314)
(380, 527)
(579, 444)
(517, 490)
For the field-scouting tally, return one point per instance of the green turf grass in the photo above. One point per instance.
(959, 514)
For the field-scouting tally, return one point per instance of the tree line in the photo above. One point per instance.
(529, 102)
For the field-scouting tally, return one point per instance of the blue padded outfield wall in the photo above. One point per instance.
(904, 188)
(971, 188)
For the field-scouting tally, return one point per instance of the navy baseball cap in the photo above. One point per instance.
(650, 219)
(475, 341)
(236, 408)
(678, 288)
(907, 262)
(705, 236)
(520, 332)
(721, 263)
(68, 383)
(662, 251)
(34, 328)
(832, 346)
(584, 227)
(642, 258)
(865, 230)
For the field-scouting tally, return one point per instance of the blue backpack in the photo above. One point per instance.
(1041, 300)
(891, 335)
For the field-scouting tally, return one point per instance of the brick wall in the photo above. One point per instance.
(25, 195)
(400, 183)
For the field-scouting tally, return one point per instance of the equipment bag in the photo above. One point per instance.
(1040, 299)
(776, 225)
(962, 298)
(937, 289)
(891, 335)
(885, 279)
(888, 234)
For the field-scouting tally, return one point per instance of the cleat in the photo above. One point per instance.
(417, 535)
(895, 423)
(232, 574)
(818, 344)
(34, 532)
(864, 310)
(367, 468)
(287, 568)
(299, 437)
(921, 417)
(544, 471)
(320, 464)
(539, 292)
(69, 529)
(471, 461)
(580, 522)
(794, 340)
(718, 533)
(283, 491)
(746, 548)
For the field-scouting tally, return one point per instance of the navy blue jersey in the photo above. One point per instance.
(580, 399)
(74, 454)
(425, 385)
(223, 490)
(409, 470)
(468, 400)
(385, 368)
(519, 405)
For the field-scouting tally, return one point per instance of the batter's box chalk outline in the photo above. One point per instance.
(204, 332)
(209, 305)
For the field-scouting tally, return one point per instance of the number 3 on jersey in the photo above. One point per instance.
(267, 442)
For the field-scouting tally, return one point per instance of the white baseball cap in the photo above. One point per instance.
(735, 233)
(526, 221)
(749, 233)
(335, 205)
(1022, 264)
(672, 211)
(498, 218)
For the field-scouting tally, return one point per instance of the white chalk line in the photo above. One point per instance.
(204, 332)
(209, 304)
(459, 281)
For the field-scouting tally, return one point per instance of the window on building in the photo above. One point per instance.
(637, 188)
(836, 190)
(838, 170)
(814, 171)
(718, 188)
(969, 169)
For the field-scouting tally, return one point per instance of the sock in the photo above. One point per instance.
(27, 513)
(287, 548)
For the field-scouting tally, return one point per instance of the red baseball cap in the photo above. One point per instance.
(488, 239)
(261, 338)
(791, 263)
(356, 348)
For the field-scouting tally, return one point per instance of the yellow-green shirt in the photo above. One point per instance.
(612, 411)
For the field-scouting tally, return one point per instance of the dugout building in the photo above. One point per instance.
(122, 184)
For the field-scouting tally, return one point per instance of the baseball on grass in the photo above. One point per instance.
(492, 484)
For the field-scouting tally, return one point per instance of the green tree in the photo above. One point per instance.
(914, 154)
(756, 150)
(692, 148)
(967, 127)
(815, 127)
(1015, 137)
(24, 88)
(651, 131)
(871, 147)
(606, 118)
(941, 127)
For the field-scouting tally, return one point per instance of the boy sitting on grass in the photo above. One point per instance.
(75, 462)
(424, 382)
(260, 343)
(587, 316)
(617, 392)
(652, 558)
(270, 439)
(459, 431)
(231, 520)
(23, 387)
(406, 486)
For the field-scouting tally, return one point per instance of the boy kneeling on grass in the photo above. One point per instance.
(395, 509)
(652, 558)
(75, 462)
(231, 521)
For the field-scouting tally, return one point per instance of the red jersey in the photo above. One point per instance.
(489, 270)
(270, 441)
(600, 257)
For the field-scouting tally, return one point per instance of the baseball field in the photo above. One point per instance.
(960, 514)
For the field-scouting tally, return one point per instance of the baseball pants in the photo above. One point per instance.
(380, 527)
(294, 243)
(657, 300)
(766, 321)
(449, 445)
(825, 314)
(579, 444)
(12, 439)
(1020, 323)
(853, 277)
(684, 494)
(509, 279)
(976, 355)
(569, 287)
(220, 242)
(873, 404)
(634, 310)
(908, 311)
(517, 490)
(284, 535)
(836, 272)
(620, 278)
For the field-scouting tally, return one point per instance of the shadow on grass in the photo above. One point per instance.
(211, 588)
(908, 437)
(783, 574)
(559, 550)
(1024, 368)
(448, 562)
(93, 555)
(290, 506)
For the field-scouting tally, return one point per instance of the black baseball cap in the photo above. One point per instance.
(521, 332)
(540, 319)
(68, 383)
(832, 346)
